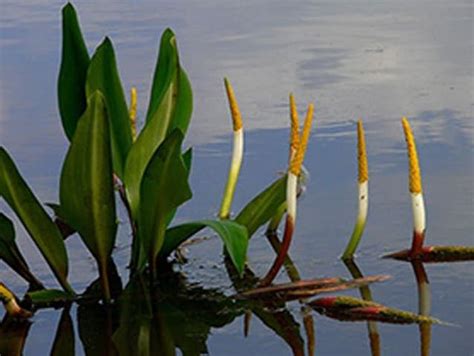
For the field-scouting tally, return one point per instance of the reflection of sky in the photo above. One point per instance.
(376, 60)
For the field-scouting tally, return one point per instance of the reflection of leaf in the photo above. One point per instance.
(10, 253)
(263, 207)
(97, 323)
(355, 309)
(37, 222)
(13, 335)
(233, 235)
(133, 334)
(63, 344)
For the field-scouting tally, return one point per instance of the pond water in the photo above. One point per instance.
(373, 60)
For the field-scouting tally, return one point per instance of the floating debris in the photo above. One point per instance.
(308, 288)
(434, 254)
(355, 309)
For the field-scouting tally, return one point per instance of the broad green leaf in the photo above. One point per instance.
(164, 188)
(103, 76)
(86, 186)
(263, 207)
(63, 344)
(10, 253)
(72, 73)
(37, 222)
(170, 107)
(233, 235)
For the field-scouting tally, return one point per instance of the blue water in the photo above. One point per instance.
(377, 61)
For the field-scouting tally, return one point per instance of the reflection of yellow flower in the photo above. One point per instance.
(362, 154)
(414, 167)
(297, 161)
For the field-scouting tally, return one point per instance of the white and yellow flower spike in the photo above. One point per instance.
(416, 191)
(363, 192)
(294, 171)
(237, 152)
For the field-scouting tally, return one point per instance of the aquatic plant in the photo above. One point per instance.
(149, 168)
(363, 190)
(418, 251)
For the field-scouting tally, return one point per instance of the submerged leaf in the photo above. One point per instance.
(233, 235)
(37, 222)
(10, 253)
(263, 207)
(104, 77)
(86, 187)
(72, 73)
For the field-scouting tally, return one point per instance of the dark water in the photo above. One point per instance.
(377, 61)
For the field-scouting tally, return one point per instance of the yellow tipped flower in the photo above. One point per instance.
(133, 111)
(362, 154)
(295, 126)
(11, 306)
(234, 107)
(297, 161)
(414, 167)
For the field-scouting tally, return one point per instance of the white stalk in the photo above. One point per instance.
(419, 217)
(291, 192)
(237, 155)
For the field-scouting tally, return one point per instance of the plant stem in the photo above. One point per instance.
(237, 153)
(104, 281)
(363, 197)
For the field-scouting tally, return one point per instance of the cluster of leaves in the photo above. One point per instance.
(150, 172)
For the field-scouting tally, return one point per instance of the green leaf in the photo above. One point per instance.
(263, 207)
(46, 298)
(164, 188)
(86, 186)
(170, 107)
(103, 76)
(37, 222)
(63, 344)
(233, 235)
(72, 73)
(10, 253)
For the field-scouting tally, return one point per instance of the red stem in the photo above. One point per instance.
(284, 247)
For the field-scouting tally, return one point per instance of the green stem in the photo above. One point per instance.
(104, 282)
(354, 241)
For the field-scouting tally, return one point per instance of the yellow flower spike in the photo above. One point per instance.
(133, 111)
(234, 107)
(295, 126)
(297, 161)
(362, 154)
(414, 167)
